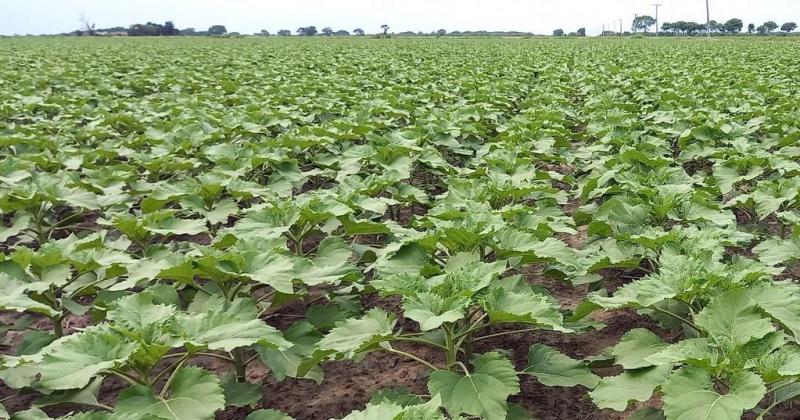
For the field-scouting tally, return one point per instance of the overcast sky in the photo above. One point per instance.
(248, 16)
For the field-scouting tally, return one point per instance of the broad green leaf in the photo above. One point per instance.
(72, 361)
(354, 335)
(432, 310)
(733, 319)
(240, 394)
(552, 368)
(690, 395)
(193, 394)
(635, 347)
(481, 393)
(229, 326)
(632, 385)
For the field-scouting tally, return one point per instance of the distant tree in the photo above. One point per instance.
(582, 32)
(358, 32)
(217, 30)
(751, 28)
(87, 27)
(327, 31)
(733, 26)
(440, 32)
(169, 29)
(342, 32)
(788, 27)
(307, 31)
(284, 32)
(263, 32)
(558, 32)
(385, 28)
(643, 23)
(762, 30)
(666, 27)
(147, 29)
(693, 28)
(715, 27)
(770, 26)
(188, 32)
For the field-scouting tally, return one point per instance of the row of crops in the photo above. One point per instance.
(188, 223)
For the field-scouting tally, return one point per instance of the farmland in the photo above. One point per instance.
(418, 228)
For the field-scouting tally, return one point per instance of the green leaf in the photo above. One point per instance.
(481, 393)
(331, 263)
(733, 319)
(72, 361)
(229, 326)
(137, 312)
(355, 335)
(193, 394)
(85, 396)
(778, 251)
(552, 368)
(240, 394)
(432, 310)
(286, 363)
(635, 347)
(781, 301)
(632, 385)
(690, 394)
(527, 306)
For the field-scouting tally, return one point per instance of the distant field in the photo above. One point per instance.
(405, 228)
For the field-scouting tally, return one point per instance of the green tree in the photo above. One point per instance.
(307, 31)
(217, 30)
(284, 32)
(385, 28)
(733, 26)
(643, 23)
(440, 32)
(751, 28)
(558, 32)
(582, 32)
(327, 31)
(788, 27)
(169, 29)
(770, 26)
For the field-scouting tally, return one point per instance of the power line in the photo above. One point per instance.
(657, 5)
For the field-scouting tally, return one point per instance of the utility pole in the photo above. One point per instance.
(708, 21)
(620, 27)
(657, 5)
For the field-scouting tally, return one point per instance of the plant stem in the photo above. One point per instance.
(676, 316)
(217, 356)
(166, 386)
(500, 334)
(58, 329)
(421, 341)
(239, 365)
(128, 378)
(450, 349)
(412, 357)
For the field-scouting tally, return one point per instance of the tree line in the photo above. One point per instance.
(640, 24)
(730, 27)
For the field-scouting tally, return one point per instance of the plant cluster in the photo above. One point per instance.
(156, 217)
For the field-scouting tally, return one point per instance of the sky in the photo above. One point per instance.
(249, 16)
